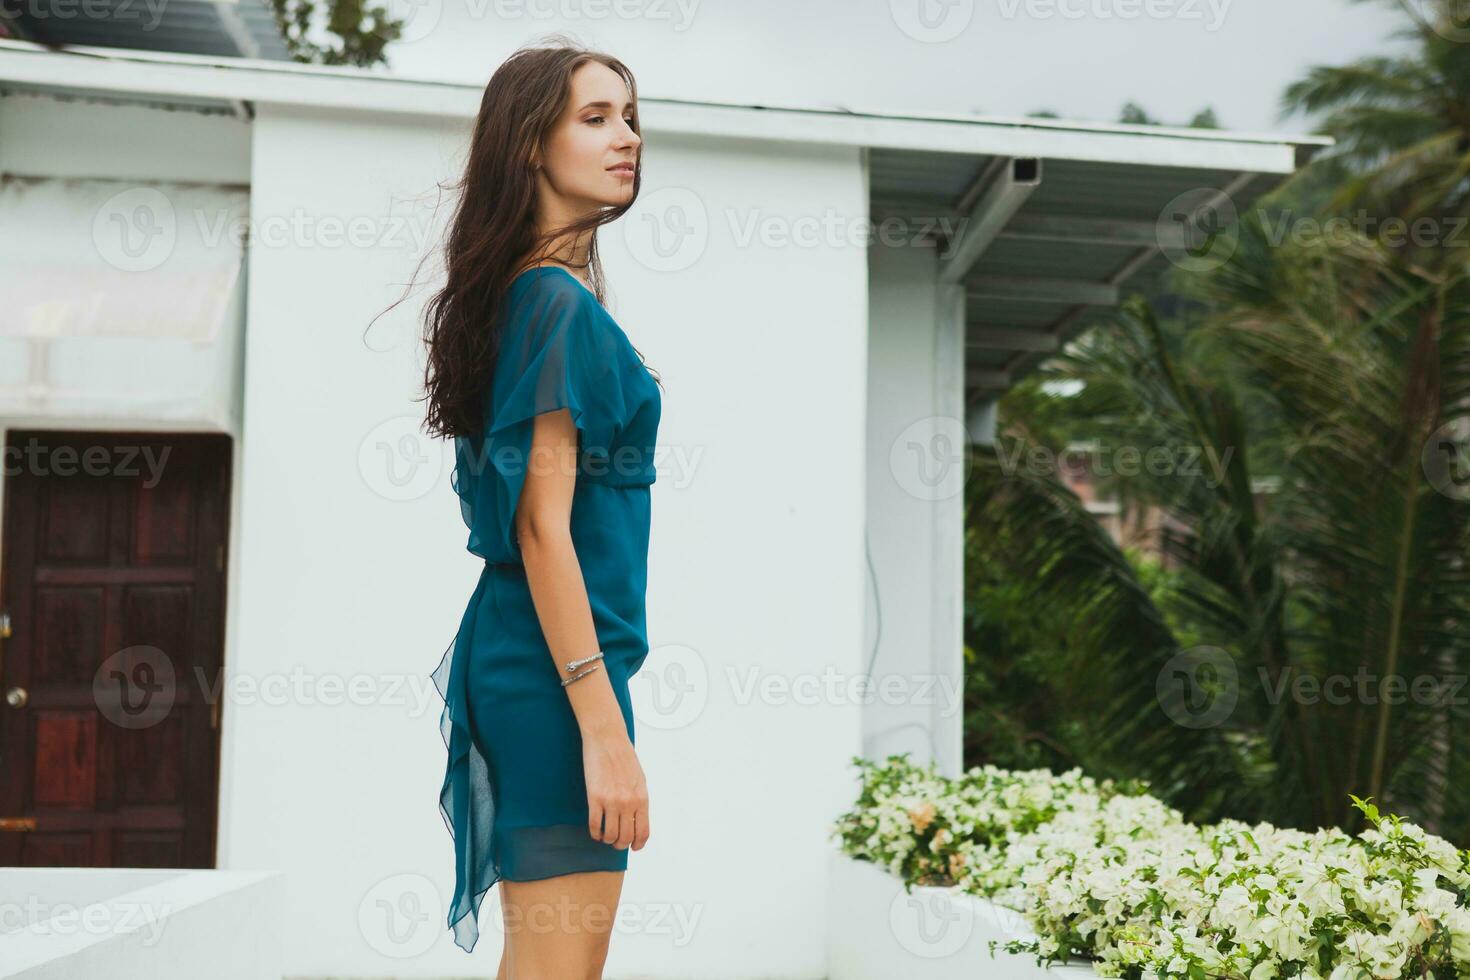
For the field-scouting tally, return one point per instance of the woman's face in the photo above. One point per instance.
(592, 149)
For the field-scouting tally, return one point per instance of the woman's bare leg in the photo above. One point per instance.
(559, 928)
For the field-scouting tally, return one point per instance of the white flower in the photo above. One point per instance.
(1264, 970)
(1457, 921)
(1156, 897)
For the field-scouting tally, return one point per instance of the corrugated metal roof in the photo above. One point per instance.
(230, 28)
(1062, 238)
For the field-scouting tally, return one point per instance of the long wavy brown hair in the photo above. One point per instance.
(492, 233)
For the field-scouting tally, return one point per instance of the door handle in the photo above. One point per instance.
(17, 823)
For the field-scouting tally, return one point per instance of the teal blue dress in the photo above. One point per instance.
(514, 795)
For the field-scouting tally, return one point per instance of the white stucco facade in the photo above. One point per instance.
(764, 389)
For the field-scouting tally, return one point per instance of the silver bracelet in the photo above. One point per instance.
(583, 674)
(574, 664)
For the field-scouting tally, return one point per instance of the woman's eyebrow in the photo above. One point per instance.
(600, 105)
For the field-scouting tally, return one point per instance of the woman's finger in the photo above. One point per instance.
(594, 818)
(641, 828)
(625, 827)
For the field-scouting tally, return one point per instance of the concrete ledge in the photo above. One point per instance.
(168, 924)
(876, 931)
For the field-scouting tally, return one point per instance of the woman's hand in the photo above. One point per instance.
(617, 795)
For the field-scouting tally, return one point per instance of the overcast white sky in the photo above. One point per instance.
(1082, 59)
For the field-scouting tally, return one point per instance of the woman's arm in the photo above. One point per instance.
(617, 795)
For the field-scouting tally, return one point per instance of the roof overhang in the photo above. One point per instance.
(1041, 245)
(196, 79)
(1043, 221)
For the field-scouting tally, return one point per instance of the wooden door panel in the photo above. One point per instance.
(113, 578)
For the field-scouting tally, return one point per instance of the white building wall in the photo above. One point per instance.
(352, 569)
(915, 514)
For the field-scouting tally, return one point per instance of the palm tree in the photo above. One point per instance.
(1402, 126)
(1403, 131)
(1338, 367)
(1304, 365)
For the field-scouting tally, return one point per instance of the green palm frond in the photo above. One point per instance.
(1112, 641)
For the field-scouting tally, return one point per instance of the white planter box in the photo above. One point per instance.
(125, 923)
(876, 931)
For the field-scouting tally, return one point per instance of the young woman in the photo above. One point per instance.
(554, 417)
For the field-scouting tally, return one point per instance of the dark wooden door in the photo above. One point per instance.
(112, 576)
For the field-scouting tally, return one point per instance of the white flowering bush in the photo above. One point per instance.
(1107, 873)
